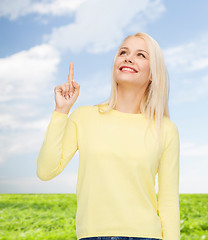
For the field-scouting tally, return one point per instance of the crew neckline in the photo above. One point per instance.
(123, 114)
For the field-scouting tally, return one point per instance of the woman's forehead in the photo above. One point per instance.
(134, 42)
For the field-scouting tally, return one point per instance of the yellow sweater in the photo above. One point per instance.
(117, 168)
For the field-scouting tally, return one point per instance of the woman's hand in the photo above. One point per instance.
(66, 94)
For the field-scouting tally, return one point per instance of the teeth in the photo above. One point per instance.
(128, 69)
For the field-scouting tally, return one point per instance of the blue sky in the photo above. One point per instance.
(38, 39)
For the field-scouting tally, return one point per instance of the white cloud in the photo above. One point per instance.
(14, 8)
(193, 168)
(56, 7)
(190, 149)
(187, 64)
(63, 183)
(1, 159)
(193, 181)
(26, 74)
(99, 25)
(188, 57)
(20, 142)
(23, 121)
(18, 8)
(202, 87)
(191, 90)
(26, 79)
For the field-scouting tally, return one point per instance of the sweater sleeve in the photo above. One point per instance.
(168, 186)
(59, 145)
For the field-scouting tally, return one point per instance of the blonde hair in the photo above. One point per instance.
(154, 102)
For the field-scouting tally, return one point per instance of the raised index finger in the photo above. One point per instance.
(71, 72)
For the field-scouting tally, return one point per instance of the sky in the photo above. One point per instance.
(38, 39)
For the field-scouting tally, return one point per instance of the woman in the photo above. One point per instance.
(123, 143)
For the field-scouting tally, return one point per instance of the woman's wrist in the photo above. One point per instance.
(64, 111)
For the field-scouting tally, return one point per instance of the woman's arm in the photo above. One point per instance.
(168, 186)
(59, 145)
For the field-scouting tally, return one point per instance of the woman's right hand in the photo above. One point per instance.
(66, 94)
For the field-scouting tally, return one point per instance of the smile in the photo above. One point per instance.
(128, 69)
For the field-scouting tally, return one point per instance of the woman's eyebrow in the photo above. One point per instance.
(140, 50)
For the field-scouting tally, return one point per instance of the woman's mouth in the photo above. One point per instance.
(128, 69)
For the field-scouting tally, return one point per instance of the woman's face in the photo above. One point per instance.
(132, 64)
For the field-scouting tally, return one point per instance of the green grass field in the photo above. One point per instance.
(52, 216)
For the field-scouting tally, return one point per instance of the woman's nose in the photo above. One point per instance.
(127, 59)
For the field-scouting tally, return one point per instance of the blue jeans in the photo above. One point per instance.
(118, 238)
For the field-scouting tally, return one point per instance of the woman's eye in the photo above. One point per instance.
(140, 54)
(122, 52)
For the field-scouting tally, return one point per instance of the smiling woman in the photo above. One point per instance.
(131, 72)
(143, 89)
(123, 143)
